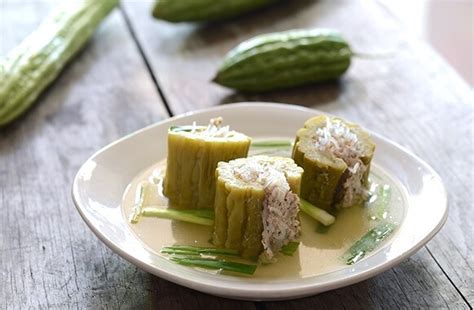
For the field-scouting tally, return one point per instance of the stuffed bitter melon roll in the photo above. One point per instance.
(193, 154)
(335, 156)
(256, 205)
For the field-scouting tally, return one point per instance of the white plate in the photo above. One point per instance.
(101, 181)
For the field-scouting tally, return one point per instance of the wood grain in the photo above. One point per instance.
(413, 98)
(50, 259)
(397, 288)
(48, 256)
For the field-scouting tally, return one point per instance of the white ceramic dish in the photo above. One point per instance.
(100, 183)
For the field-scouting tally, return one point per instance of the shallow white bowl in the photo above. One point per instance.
(100, 183)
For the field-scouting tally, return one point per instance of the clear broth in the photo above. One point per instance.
(318, 253)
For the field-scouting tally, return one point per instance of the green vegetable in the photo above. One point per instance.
(290, 248)
(271, 143)
(324, 173)
(37, 61)
(204, 10)
(280, 148)
(190, 181)
(139, 199)
(285, 59)
(187, 128)
(318, 214)
(379, 205)
(191, 256)
(215, 264)
(195, 250)
(189, 216)
(322, 229)
(204, 213)
(368, 242)
(238, 222)
(238, 203)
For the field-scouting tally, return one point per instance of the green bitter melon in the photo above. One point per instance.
(204, 10)
(336, 157)
(285, 59)
(193, 154)
(37, 61)
(256, 205)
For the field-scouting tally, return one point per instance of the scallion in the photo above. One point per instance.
(215, 264)
(190, 250)
(272, 143)
(179, 215)
(290, 248)
(368, 242)
(322, 229)
(187, 128)
(318, 214)
(378, 202)
(139, 199)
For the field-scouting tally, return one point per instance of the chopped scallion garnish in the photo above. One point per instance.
(318, 214)
(379, 201)
(272, 143)
(215, 264)
(368, 242)
(322, 229)
(187, 249)
(139, 199)
(290, 248)
(186, 128)
(180, 215)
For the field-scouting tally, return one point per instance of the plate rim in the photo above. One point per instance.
(263, 293)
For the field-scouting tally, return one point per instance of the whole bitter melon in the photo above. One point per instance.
(37, 61)
(204, 10)
(285, 59)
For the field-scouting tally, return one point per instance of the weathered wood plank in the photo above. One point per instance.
(413, 98)
(48, 256)
(397, 288)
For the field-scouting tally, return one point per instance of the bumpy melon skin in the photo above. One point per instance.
(238, 208)
(285, 59)
(32, 66)
(319, 182)
(238, 218)
(204, 10)
(323, 177)
(190, 181)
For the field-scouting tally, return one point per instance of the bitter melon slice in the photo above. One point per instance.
(256, 205)
(336, 157)
(193, 154)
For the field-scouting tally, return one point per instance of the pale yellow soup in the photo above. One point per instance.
(318, 253)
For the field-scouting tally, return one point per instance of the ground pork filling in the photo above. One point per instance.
(337, 139)
(280, 207)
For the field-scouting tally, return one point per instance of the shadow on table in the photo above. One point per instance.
(312, 95)
(251, 23)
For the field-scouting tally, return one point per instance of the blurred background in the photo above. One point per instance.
(446, 24)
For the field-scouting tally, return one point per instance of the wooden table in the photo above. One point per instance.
(137, 71)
